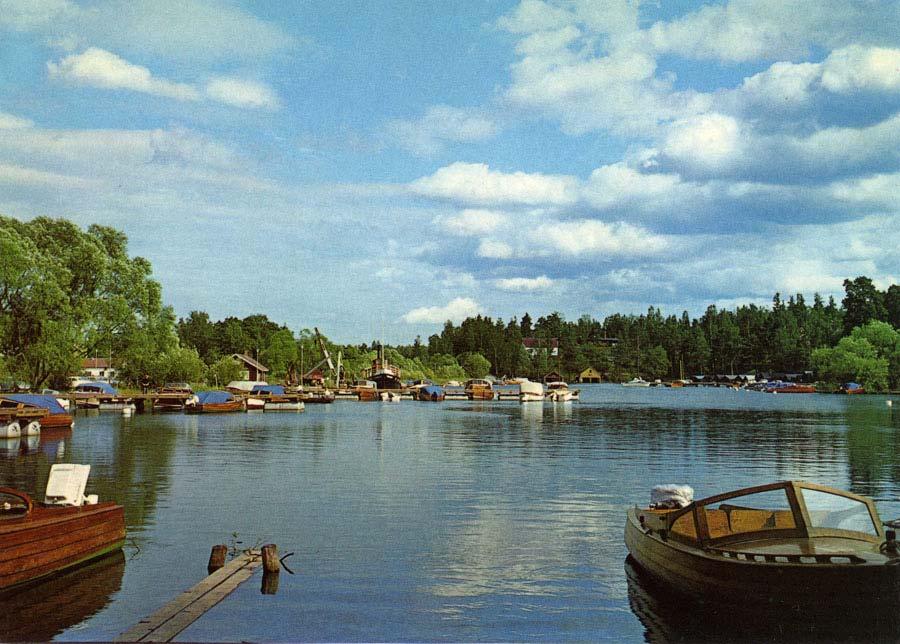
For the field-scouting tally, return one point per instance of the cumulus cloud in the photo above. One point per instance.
(539, 283)
(476, 183)
(242, 93)
(856, 67)
(439, 126)
(455, 311)
(473, 221)
(493, 249)
(100, 68)
(596, 238)
(12, 122)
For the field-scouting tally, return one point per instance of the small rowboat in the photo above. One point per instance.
(784, 544)
(68, 529)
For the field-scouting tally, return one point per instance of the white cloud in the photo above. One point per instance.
(474, 222)
(12, 122)
(493, 249)
(710, 140)
(455, 311)
(591, 237)
(856, 67)
(242, 93)
(539, 283)
(618, 184)
(440, 125)
(477, 183)
(100, 68)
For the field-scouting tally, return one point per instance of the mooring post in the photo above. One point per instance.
(270, 558)
(217, 558)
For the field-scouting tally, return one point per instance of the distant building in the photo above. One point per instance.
(252, 370)
(553, 376)
(314, 379)
(590, 375)
(533, 345)
(98, 369)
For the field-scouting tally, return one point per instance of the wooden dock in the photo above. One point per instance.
(166, 623)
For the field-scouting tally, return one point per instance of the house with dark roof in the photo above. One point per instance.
(98, 369)
(252, 370)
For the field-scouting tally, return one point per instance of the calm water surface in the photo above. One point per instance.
(420, 521)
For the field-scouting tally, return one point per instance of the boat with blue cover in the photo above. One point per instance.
(431, 393)
(209, 402)
(273, 398)
(56, 417)
(100, 395)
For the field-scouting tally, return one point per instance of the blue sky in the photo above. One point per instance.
(376, 168)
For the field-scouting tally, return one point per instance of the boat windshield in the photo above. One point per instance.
(755, 512)
(828, 510)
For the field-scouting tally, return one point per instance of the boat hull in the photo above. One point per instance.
(480, 394)
(707, 576)
(51, 539)
(215, 408)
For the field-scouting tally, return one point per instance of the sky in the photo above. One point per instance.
(376, 168)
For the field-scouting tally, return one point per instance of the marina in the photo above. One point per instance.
(463, 520)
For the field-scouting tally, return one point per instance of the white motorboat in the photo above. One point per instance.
(531, 391)
(636, 382)
(559, 392)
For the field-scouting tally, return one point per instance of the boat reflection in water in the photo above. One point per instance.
(42, 610)
(668, 616)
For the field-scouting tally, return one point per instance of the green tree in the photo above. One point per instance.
(853, 359)
(862, 303)
(474, 364)
(223, 371)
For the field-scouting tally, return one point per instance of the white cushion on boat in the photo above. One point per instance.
(671, 495)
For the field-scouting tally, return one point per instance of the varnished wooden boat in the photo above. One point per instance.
(478, 389)
(40, 539)
(784, 544)
(213, 402)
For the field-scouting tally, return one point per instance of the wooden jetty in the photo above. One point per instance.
(166, 623)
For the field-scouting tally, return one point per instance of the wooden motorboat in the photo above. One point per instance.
(54, 416)
(779, 387)
(431, 393)
(67, 529)
(786, 544)
(213, 402)
(479, 389)
(851, 388)
(559, 392)
(530, 391)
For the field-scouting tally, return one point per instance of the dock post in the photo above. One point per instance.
(270, 558)
(217, 558)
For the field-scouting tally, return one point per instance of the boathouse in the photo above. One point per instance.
(590, 375)
(252, 370)
(553, 376)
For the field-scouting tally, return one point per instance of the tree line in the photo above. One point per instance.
(67, 294)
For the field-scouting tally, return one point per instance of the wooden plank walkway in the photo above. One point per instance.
(166, 623)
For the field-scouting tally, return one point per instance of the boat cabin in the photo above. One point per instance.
(788, 510)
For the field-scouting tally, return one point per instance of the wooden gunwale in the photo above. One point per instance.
(25, 529)
(39, 564)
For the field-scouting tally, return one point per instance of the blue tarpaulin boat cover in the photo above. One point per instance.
(433, 390)
(49, 403)
(849, 386)
(104, 387)
(214, 397)
(272, 390)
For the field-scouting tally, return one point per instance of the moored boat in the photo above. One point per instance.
(431, 393)
(101, 395)
(479, 389)
(65, 530)
(530, 391)
(779, 387)
(383, 373)
(56, 417)
(559, 391)
(787, 544)
(273, 398)
(212, 402)
(852, 388)
(636, 382)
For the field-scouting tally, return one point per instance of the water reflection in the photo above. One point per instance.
(667, 617)
(42, 610)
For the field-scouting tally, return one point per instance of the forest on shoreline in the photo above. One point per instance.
(67, 294)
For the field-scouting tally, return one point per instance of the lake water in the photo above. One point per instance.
(421, 521)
